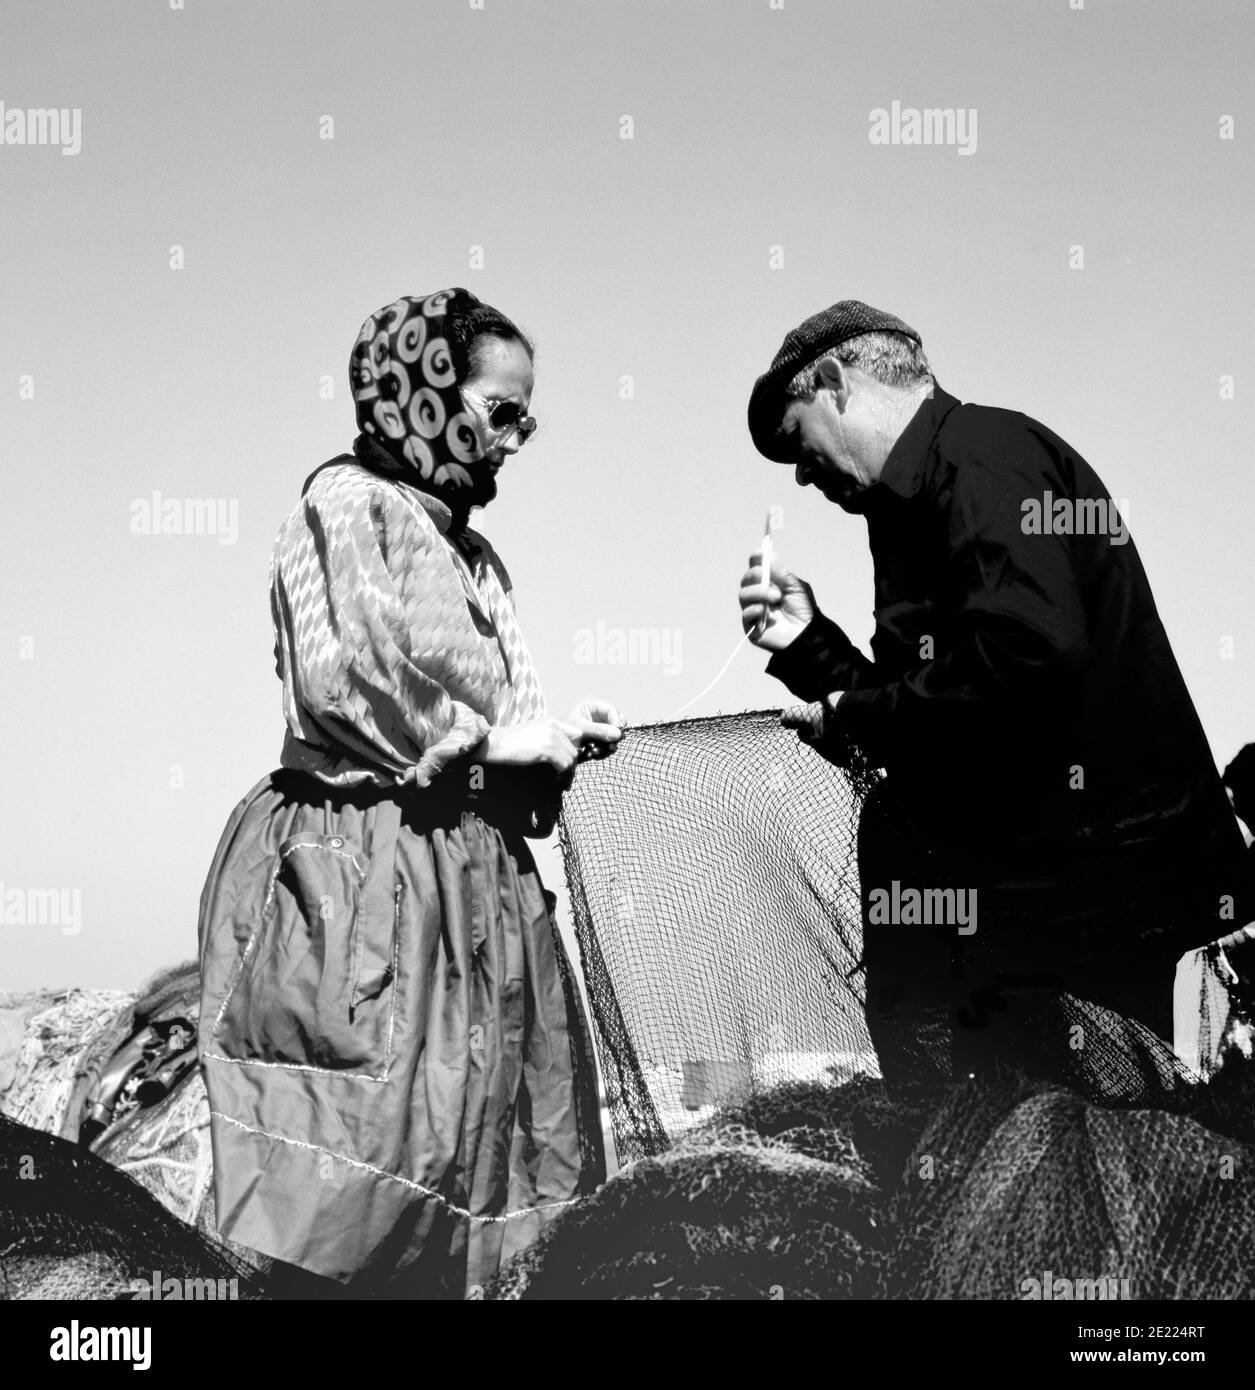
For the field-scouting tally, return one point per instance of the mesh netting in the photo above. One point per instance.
(715, 890)
(713, 867)
(823, 1192)
(72, 1226)
(714, 887)
(1014, 1185)
(783, 1196)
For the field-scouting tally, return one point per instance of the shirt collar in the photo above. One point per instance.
(904, 468)
(376, 459)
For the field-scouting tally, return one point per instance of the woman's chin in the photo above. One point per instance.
(482, 490)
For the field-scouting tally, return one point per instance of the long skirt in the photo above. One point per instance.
(401, 1080)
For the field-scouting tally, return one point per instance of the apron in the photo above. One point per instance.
(401, 1082)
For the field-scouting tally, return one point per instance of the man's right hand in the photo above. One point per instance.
(554, 742)
(788, 601)
(808, 720)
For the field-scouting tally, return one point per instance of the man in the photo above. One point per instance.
(1042, 752)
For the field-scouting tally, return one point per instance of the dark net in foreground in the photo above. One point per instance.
(72, 1226)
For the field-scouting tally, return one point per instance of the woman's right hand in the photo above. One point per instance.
(554, 742)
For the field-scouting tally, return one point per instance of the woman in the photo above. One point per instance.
(400, 1079)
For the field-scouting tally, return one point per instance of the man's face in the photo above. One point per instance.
(831, 443)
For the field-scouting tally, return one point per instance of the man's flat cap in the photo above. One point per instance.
(821, 332)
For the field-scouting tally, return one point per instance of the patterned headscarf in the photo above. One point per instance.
(415, 427)
(405, 388)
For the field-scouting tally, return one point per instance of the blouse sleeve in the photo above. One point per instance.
(365, 669)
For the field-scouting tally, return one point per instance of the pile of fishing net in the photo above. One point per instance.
(1015, 1185)
(782, 1197)
(105, 1162)
(73, 1226)
(1009, 1184)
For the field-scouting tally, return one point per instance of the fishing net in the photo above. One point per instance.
(713, 873)
(1006, 1186)
(713, 868)
(712, 865)
(72, 1226)
(769, 1199)
(1016, 1186)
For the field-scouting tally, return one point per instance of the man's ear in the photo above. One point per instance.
(831, 373)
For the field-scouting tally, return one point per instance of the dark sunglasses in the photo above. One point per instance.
(505, 416)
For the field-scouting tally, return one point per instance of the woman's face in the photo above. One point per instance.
(502, 374)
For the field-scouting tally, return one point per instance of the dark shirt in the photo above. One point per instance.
(1023, 696)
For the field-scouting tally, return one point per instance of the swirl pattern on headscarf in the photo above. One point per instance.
(405, 389)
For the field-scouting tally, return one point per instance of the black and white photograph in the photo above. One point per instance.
(628, 646)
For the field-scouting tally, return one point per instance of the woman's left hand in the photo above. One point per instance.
(600, 712)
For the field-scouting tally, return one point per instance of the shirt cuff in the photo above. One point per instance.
(468, 730)
(860, 716)
(817, 661)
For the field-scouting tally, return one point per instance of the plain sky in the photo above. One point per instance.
(484, 147)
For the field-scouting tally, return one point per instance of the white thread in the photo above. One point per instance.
(759, 627)
(394, 1177)
(306, 844)
(724, 670)
(295, 1066)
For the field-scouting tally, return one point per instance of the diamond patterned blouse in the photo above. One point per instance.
(397, 647)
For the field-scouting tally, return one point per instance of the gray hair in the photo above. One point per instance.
(890, 358)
